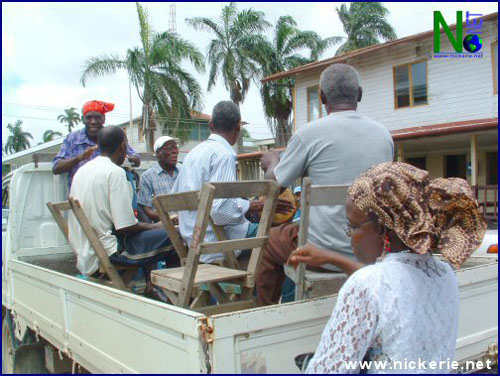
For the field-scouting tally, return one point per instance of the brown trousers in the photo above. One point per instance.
(283, 240)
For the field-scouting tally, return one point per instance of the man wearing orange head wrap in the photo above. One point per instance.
(80, 146)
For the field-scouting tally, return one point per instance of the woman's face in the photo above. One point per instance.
(366, 240)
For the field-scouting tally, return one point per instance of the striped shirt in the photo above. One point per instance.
(155, 181)
(75, 144)
(214, 160)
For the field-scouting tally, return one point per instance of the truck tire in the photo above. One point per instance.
(25, 359)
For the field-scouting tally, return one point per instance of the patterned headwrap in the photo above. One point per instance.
(97, 106)
(427, 215)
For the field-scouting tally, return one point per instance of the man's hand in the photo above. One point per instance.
(282, 206)
(157, 225)
(256, 207)
(269, 160)
(134, 160)
(310, 255)
(87, 153)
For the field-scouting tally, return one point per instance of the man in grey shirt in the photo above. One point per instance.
(332, 150)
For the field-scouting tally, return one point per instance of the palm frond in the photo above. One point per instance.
(101, 66)
(205, 24)
(145, 30)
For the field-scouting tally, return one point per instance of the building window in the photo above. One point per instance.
(455, 166)
(199, 132)
(410, 85)
(313, 103)
(492, 168)
(315, 108)
(418, 162)
(494, 58)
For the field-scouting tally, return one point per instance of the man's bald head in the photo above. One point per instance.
(109, 139)
(340, 84)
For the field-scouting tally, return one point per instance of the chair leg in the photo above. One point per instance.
(172, 296)
(200, 300)
(218, 293)
(128, 274)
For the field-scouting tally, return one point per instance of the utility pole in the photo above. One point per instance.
(172, 23)
(131, 120)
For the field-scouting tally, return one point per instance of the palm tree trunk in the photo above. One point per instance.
(149, 126)
(282, 132)
(239, 145)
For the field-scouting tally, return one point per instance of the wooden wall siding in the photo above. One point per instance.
(458, 89)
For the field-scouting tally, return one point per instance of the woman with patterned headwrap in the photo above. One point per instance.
(400, 306)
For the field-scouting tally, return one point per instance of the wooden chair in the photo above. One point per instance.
(184, 285)
(105, 265)
(311, 284)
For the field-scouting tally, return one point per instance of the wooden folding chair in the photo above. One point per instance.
(309, 284)
(184, 285)
(105, 265)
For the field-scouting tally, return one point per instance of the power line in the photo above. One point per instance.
(181, 121)
(113, 115)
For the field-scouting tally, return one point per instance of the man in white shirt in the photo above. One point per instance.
(214, 160)
(105, 195)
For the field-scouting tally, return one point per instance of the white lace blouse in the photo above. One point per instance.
(402, 311)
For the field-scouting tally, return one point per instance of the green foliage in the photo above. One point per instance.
(236, 35)
(18, 140)
(50, 135)
(364, 23)
(71, 117)
(280, 54)
(155, 69)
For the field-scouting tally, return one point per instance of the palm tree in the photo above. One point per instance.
(281, 54)
(18, 140)
(49, 135)
(364, 23)
(70, 117)
(155, 69)
(229, 53)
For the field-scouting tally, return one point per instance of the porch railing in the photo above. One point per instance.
(487, 197)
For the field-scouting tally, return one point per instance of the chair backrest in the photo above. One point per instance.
(202, 201)
(314, 195)
(174, 203)
(268, 189)
(185, 201)
(57, 208)
(96, 244)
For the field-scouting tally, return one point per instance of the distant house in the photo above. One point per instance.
(196, 128)
(197, 131)
(442, 112)
(39, 153)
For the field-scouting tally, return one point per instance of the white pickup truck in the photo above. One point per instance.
(54, 321)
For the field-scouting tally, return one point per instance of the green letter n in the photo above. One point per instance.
(439, 20)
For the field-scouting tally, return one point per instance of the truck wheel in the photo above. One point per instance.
(26, 359)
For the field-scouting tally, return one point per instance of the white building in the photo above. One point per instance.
(442, 112)
(198, 131)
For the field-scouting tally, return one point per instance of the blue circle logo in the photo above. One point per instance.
(473, 43)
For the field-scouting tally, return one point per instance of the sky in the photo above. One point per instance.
(45, 46)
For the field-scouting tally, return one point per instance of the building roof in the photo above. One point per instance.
(433, 130)
(194, 114)
(34, 149)
(363, 51)
(444, 129)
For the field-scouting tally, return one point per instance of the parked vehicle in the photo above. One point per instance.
(489, 245)
(55, 321)
(5, 217)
